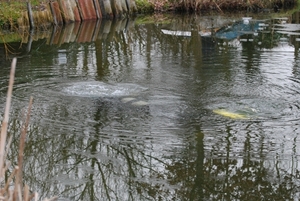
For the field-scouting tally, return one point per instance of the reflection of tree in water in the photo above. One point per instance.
(94, 165)
(215, 178)
(99, 159)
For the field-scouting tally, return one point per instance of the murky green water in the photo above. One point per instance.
(162, 111)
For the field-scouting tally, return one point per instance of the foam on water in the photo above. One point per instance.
(128, 99)
(101, 89)
(140, 103)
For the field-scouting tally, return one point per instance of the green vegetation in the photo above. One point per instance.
(144, 6)
(220, 5)
(11, 11)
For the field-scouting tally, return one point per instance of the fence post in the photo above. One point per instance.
(30, 16)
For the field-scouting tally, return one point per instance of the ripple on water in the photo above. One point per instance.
(258, 108)
(100, 89)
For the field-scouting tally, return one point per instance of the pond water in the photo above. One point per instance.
(184, 108)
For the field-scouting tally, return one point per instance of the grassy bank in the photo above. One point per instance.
(11, 11)
(216, 5)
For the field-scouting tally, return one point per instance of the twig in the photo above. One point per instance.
(218, 7)
(18, 186)
(8, 181)
(22, 145)
(26, 193)
(7, 146)
(36, 196)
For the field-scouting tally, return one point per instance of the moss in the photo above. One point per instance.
(10, 12)
(144, 6)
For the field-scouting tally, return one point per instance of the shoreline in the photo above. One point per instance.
(14, 15)
(198, 6)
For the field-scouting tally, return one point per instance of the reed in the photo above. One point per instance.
(220, 5)
(19, 192)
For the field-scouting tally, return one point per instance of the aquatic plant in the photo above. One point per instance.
(19, 192)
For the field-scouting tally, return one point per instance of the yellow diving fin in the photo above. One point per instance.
(229, 114)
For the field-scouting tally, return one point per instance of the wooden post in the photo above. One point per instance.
(57, 17)
(79, 10)
(74, 9)
(87, 9)
(53, 14)
(124, 7)
(98, 9)
(116, 8)
(66, 10)
(132, 6)
(29, 42)
(105, 29)
(128, 5)
(106, 9)
(30, 16)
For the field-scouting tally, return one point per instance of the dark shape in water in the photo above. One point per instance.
(236, 30)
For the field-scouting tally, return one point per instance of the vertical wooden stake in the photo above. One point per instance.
(30, 16)
(53, 14)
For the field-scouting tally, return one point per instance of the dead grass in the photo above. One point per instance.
(220, 5)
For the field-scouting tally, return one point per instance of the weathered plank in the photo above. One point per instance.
(116, 8)
(55, 10)
(131, 6)
(97, 9)
(67, 12)
(75, 32)
(124, 7)
(106, 9)
(75, 10)
(55, 38)
(104, 29)
(66, 34)
(86, 31)
(97, 30)
(87, 9)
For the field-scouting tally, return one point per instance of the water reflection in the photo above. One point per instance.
(174, 147)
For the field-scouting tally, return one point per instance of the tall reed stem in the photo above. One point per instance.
(6, 116)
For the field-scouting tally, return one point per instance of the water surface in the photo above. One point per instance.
(126, 112)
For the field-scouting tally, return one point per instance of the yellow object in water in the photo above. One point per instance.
(231, 115)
